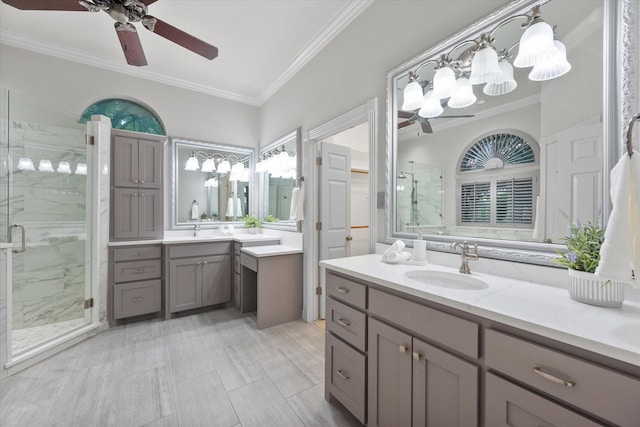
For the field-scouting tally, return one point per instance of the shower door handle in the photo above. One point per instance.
(24, 246)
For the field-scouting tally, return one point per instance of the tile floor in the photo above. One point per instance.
(207, 369)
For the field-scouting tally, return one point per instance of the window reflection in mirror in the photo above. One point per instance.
(211, 182)
(278, 165)
(500, 197)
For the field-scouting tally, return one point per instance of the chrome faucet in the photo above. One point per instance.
(196, 229)
(466, 255)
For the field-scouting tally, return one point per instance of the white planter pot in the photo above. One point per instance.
(589, 289)
(253, 230)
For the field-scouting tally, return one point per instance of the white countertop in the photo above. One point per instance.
(541, 309)
(271, 250)
(235, 237)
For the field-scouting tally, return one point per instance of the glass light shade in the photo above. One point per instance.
(484, 66)
(64, 167)
(412, 96)
(444, 83)
(504, 84)
(244, 175)
(463, 96)
(237, 167)
(224, 166)
(536, 46)
(81, 169)
(211, 182)
(25, 164)
(431, 106)
(192, 164)
(208, 165)
(556, 67)
(45, 166)
(260, 166)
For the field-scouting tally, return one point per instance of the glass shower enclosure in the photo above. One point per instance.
(45, 211)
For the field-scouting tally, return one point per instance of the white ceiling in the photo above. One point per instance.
(262, 43)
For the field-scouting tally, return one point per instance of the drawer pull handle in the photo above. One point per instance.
(343, 290)
(137, 299)
(416, 355)
(344, 322)
(138, 254)
(138, 270)
(343, 376)
(403, 349)
(553, 378)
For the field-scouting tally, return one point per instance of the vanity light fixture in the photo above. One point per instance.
(81, 169)
(209, 165)
(482, 64)
(224, 166)
(45, 166)
(192, 163)
(64, 167)
(25, 164)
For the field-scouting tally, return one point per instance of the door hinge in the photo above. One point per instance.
(318, 226)
(319, 161)
(88, 303)
(90, 140)
(318, 290)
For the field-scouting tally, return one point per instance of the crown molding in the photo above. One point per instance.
(339, 22)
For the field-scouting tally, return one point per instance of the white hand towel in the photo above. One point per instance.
(230, 207)
(195, 211)
(537, 232)
(395, 253)
(296, 212)
(239, 208)
(620, 252)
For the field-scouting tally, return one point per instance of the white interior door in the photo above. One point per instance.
(335, 203)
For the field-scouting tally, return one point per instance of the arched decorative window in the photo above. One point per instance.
(498, 181)
(126, 115)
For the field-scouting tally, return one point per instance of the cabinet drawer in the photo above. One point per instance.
(137, 270)
(346, 290)
(199, 249)
(347, 323)
(451, 331)
(134, 299)
(345, 374)
(136, 253)
(598, 390)
(506, 404)
(249, 262)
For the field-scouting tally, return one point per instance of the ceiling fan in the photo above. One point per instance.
(424, 123)
(125, 13)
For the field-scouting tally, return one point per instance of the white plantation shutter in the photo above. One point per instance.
(514, 201)
(475, 202)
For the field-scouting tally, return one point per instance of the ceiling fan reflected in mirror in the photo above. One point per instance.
(125, 13)
(425, 124)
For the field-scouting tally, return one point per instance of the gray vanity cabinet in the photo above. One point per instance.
(136, 186)
(198, 275)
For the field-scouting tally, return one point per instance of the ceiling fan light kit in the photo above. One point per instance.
(482, 64)
(125, 13)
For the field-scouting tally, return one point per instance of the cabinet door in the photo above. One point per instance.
(389, 374)
(445, 388)
(149, 213)
(509, 405)
(149, 164)
(125, 161)
(125, 213)
(216, 282)
(185, 284)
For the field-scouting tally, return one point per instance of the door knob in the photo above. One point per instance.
(349, 238)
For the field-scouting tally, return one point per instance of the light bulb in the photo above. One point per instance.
(64, 167)
(81, 169)
(45, 166)
(25, 164)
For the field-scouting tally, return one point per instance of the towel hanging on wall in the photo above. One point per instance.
(195, 211)
(296, 212)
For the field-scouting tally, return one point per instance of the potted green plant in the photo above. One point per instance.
(582, 258)
(270, 218)
(252, 223)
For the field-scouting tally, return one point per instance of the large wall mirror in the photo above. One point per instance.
(494, 139)
(278, 169)
(210, 183)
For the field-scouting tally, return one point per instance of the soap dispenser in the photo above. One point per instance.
(420, 249)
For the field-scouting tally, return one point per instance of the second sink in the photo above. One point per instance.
(447, 280)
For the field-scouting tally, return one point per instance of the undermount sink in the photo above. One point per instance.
(447, 280)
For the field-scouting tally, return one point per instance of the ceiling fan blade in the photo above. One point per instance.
(71, 5)
(454, 117)
(404, 124)
(178, 36)
(405, 114)
(130, 43)
(426, 127)
(147, 2)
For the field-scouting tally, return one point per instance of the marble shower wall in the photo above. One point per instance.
(429, 190)
(49, 278)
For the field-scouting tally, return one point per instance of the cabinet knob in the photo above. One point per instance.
(135, 194)
(142, 181)
(416, 355)
(141, 194)
(342, 375)
(206, 262)
(403, 348)
(200, 263)
(344, 322)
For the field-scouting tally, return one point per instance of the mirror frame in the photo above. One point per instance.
(263, 184)
(232, 149)
(619, 73)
